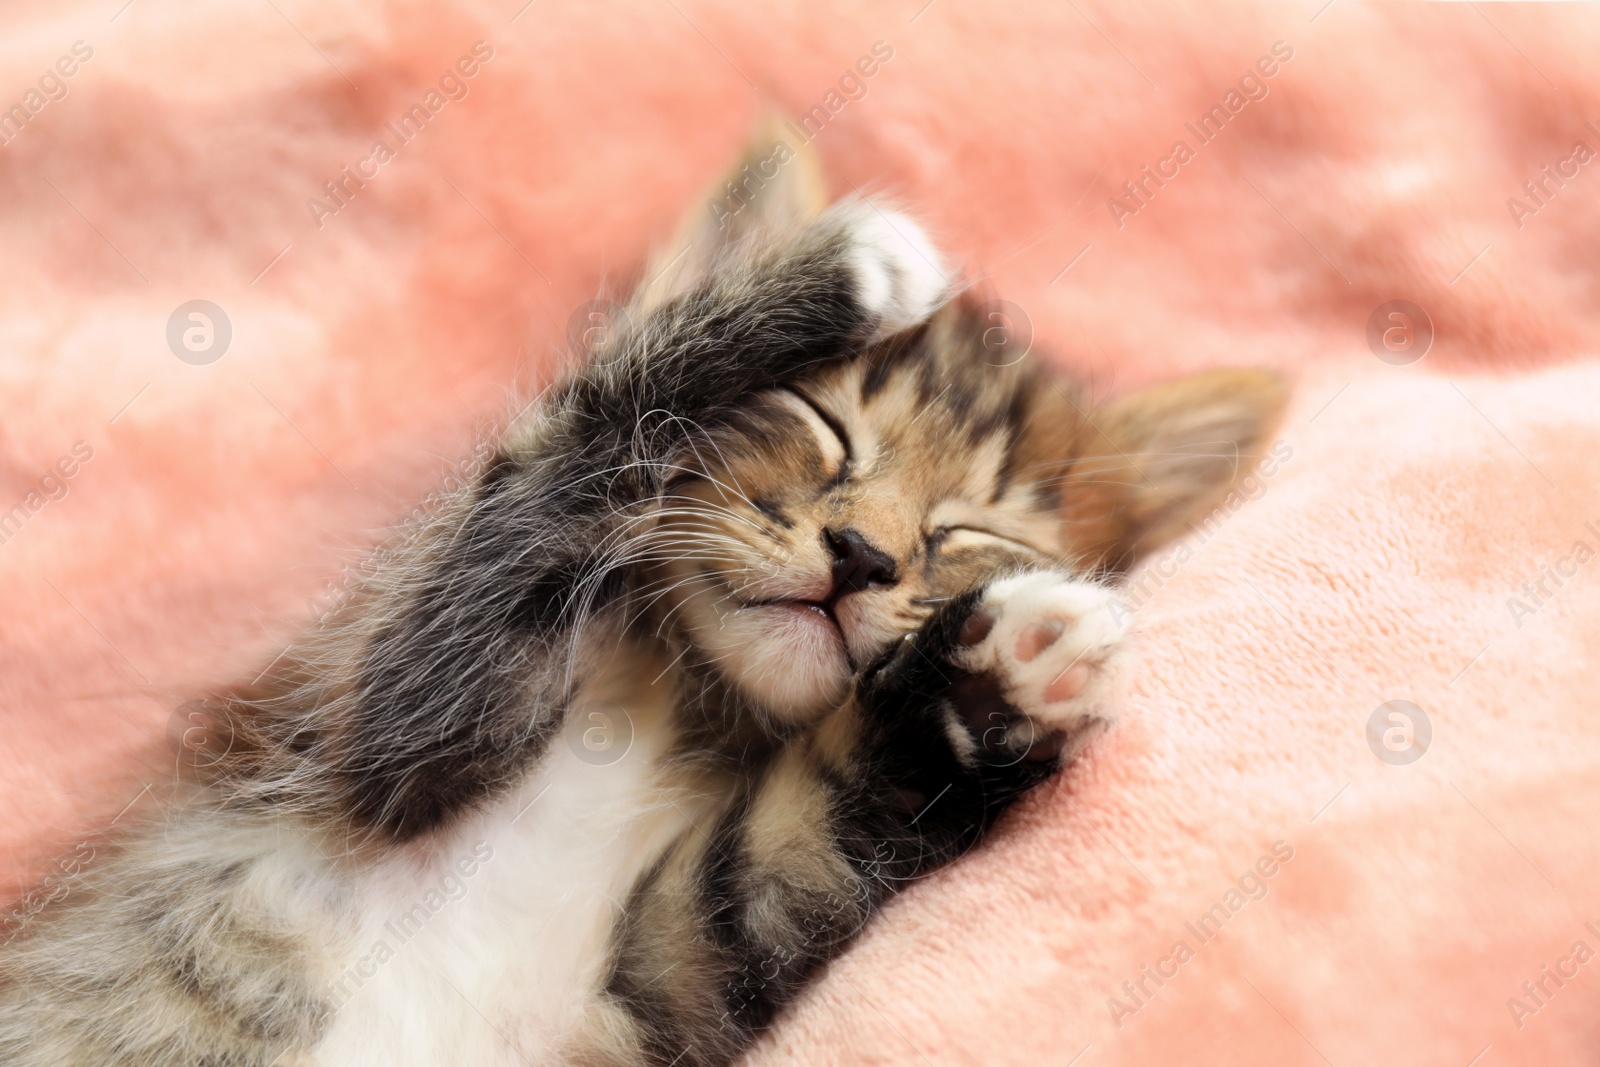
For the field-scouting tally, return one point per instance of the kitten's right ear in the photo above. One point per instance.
(1148, 465)
(775, 185)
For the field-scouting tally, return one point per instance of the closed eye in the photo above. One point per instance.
(835, 427)
(935, 539)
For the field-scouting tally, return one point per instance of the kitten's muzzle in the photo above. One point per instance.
(857, 565)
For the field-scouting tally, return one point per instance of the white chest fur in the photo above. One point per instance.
(492, 947)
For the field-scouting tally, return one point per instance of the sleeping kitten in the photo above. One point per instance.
(772, 606)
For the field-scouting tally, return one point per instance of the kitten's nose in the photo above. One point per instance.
(856, 563)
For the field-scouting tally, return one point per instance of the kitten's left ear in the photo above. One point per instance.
(1151, 464)
(774, 185)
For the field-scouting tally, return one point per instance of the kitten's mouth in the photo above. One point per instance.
(819, 612)
(822, 609)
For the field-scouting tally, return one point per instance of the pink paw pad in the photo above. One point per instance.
(1068, 684)
(1038, 637)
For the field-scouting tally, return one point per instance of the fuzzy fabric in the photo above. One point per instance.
(1420, 543)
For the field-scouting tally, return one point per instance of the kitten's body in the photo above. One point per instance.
(773, 606)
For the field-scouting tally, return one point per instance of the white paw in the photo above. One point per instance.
(901, 278)
(1053, 643)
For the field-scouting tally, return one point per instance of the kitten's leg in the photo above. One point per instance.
(947, 730)
(479, 623)
(987, 700)
(1037, 659)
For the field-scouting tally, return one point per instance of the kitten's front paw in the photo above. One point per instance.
(898, 272)
(1047, 647)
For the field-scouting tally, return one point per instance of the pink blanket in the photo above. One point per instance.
(1348, 815)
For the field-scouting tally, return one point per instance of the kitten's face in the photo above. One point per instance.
(826, 520)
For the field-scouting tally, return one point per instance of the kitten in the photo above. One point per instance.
(773, 605)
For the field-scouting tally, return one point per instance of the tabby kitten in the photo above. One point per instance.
(771, 606)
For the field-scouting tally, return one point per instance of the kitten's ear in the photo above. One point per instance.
(1152, 463)
(775, 185)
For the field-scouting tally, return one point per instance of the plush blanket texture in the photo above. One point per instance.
(1231, 876)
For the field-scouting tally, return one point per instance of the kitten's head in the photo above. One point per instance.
(824, 520)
